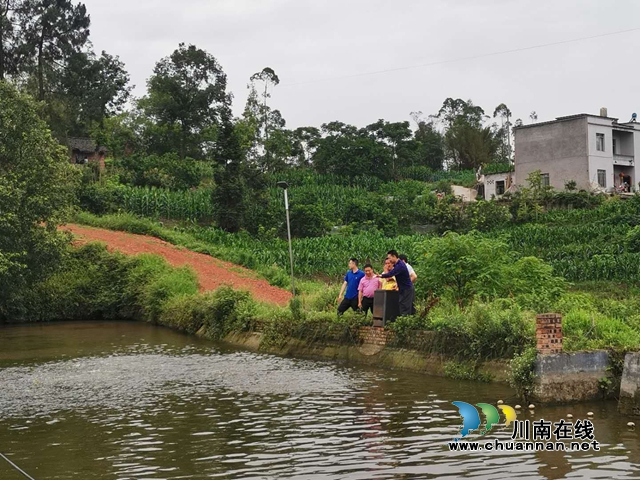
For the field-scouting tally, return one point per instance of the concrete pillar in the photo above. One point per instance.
(630, 385)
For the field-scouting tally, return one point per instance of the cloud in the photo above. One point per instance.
(307, 41)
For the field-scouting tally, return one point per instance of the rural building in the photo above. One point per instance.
(495, 185)
(85, 150)
(595, 151)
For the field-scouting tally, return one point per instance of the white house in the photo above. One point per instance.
(595, 151)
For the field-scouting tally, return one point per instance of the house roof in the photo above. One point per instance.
(84, 144)
(567, 118)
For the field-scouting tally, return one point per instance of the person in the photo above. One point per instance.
(412, 272)
(366, 289)
(412, 276)
(405, 285)
(388, 283)
(350, 288)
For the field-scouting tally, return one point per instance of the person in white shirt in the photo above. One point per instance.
(412, 272)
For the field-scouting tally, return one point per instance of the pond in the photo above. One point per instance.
(126, 400)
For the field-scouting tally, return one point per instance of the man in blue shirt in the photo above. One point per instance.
(403, 279)
(351, 283)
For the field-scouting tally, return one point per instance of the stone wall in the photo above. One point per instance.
(570, 377)
(630, 386)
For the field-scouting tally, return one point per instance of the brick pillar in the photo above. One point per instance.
(549, 333)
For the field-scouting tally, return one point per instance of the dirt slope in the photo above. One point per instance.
(211, 272)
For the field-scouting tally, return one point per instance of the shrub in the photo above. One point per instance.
(307, 220)
(632, 240)
(162, 286)
(522, 372)
(487, 215)
(471, 265)
(485, 330)
(465, 371)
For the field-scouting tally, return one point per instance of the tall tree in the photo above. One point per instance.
(468, 143)
(267, 76)
(349, 151)
(96, 88)
(504, 113)
(7, 37)
(430, 148)
(305, 143)
(395, 136)
(36, 191)
(187, 100)
(52, 30)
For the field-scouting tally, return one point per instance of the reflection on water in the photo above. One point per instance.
(130, 401)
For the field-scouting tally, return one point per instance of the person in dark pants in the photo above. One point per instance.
(412, 276)
(405, 285)
(368, 285)
(350, 288)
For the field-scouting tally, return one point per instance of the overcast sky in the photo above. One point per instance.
(314, 45)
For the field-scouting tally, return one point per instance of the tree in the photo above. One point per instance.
(268, 144)
(304, 145)
(52, 30)
(95, 88)
(268, 77)
(8, 40)
(533, 116)
(351, 152)
(186, 101)
(396, 137)
(468, 144)
(456, 110)
(37, 185)
(429, 150)
(504, 133)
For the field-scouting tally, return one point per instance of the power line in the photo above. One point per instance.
(17, 467)
(461, 59)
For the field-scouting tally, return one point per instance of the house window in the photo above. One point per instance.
(615, 146)
(545, 180)
(500, 187)
(602, 178)
(600, 142)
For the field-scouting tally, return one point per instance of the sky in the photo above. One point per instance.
(326, 52)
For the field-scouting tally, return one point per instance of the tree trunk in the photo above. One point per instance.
(3, 12)
(41, 67)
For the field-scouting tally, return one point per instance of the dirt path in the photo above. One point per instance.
(211, 272)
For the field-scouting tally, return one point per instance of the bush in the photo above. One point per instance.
(163, 171)
(497, 329)
(465, 371)
(632, 240)
(487, 215)
(470, 265)
(90, 283)
(163, 284)
(522, 372)
(307, 220)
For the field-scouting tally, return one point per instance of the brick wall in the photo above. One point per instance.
(375, 335)
(549, 333)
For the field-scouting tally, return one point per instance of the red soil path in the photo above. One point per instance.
(211, 272)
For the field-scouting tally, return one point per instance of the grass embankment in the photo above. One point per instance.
(597, 315)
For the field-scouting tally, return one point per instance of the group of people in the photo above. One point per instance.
(359, 286)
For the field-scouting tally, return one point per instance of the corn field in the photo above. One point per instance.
(162, 203)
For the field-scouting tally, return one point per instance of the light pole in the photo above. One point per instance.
(285, 186)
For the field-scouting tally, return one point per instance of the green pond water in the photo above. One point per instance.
(133, 401)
